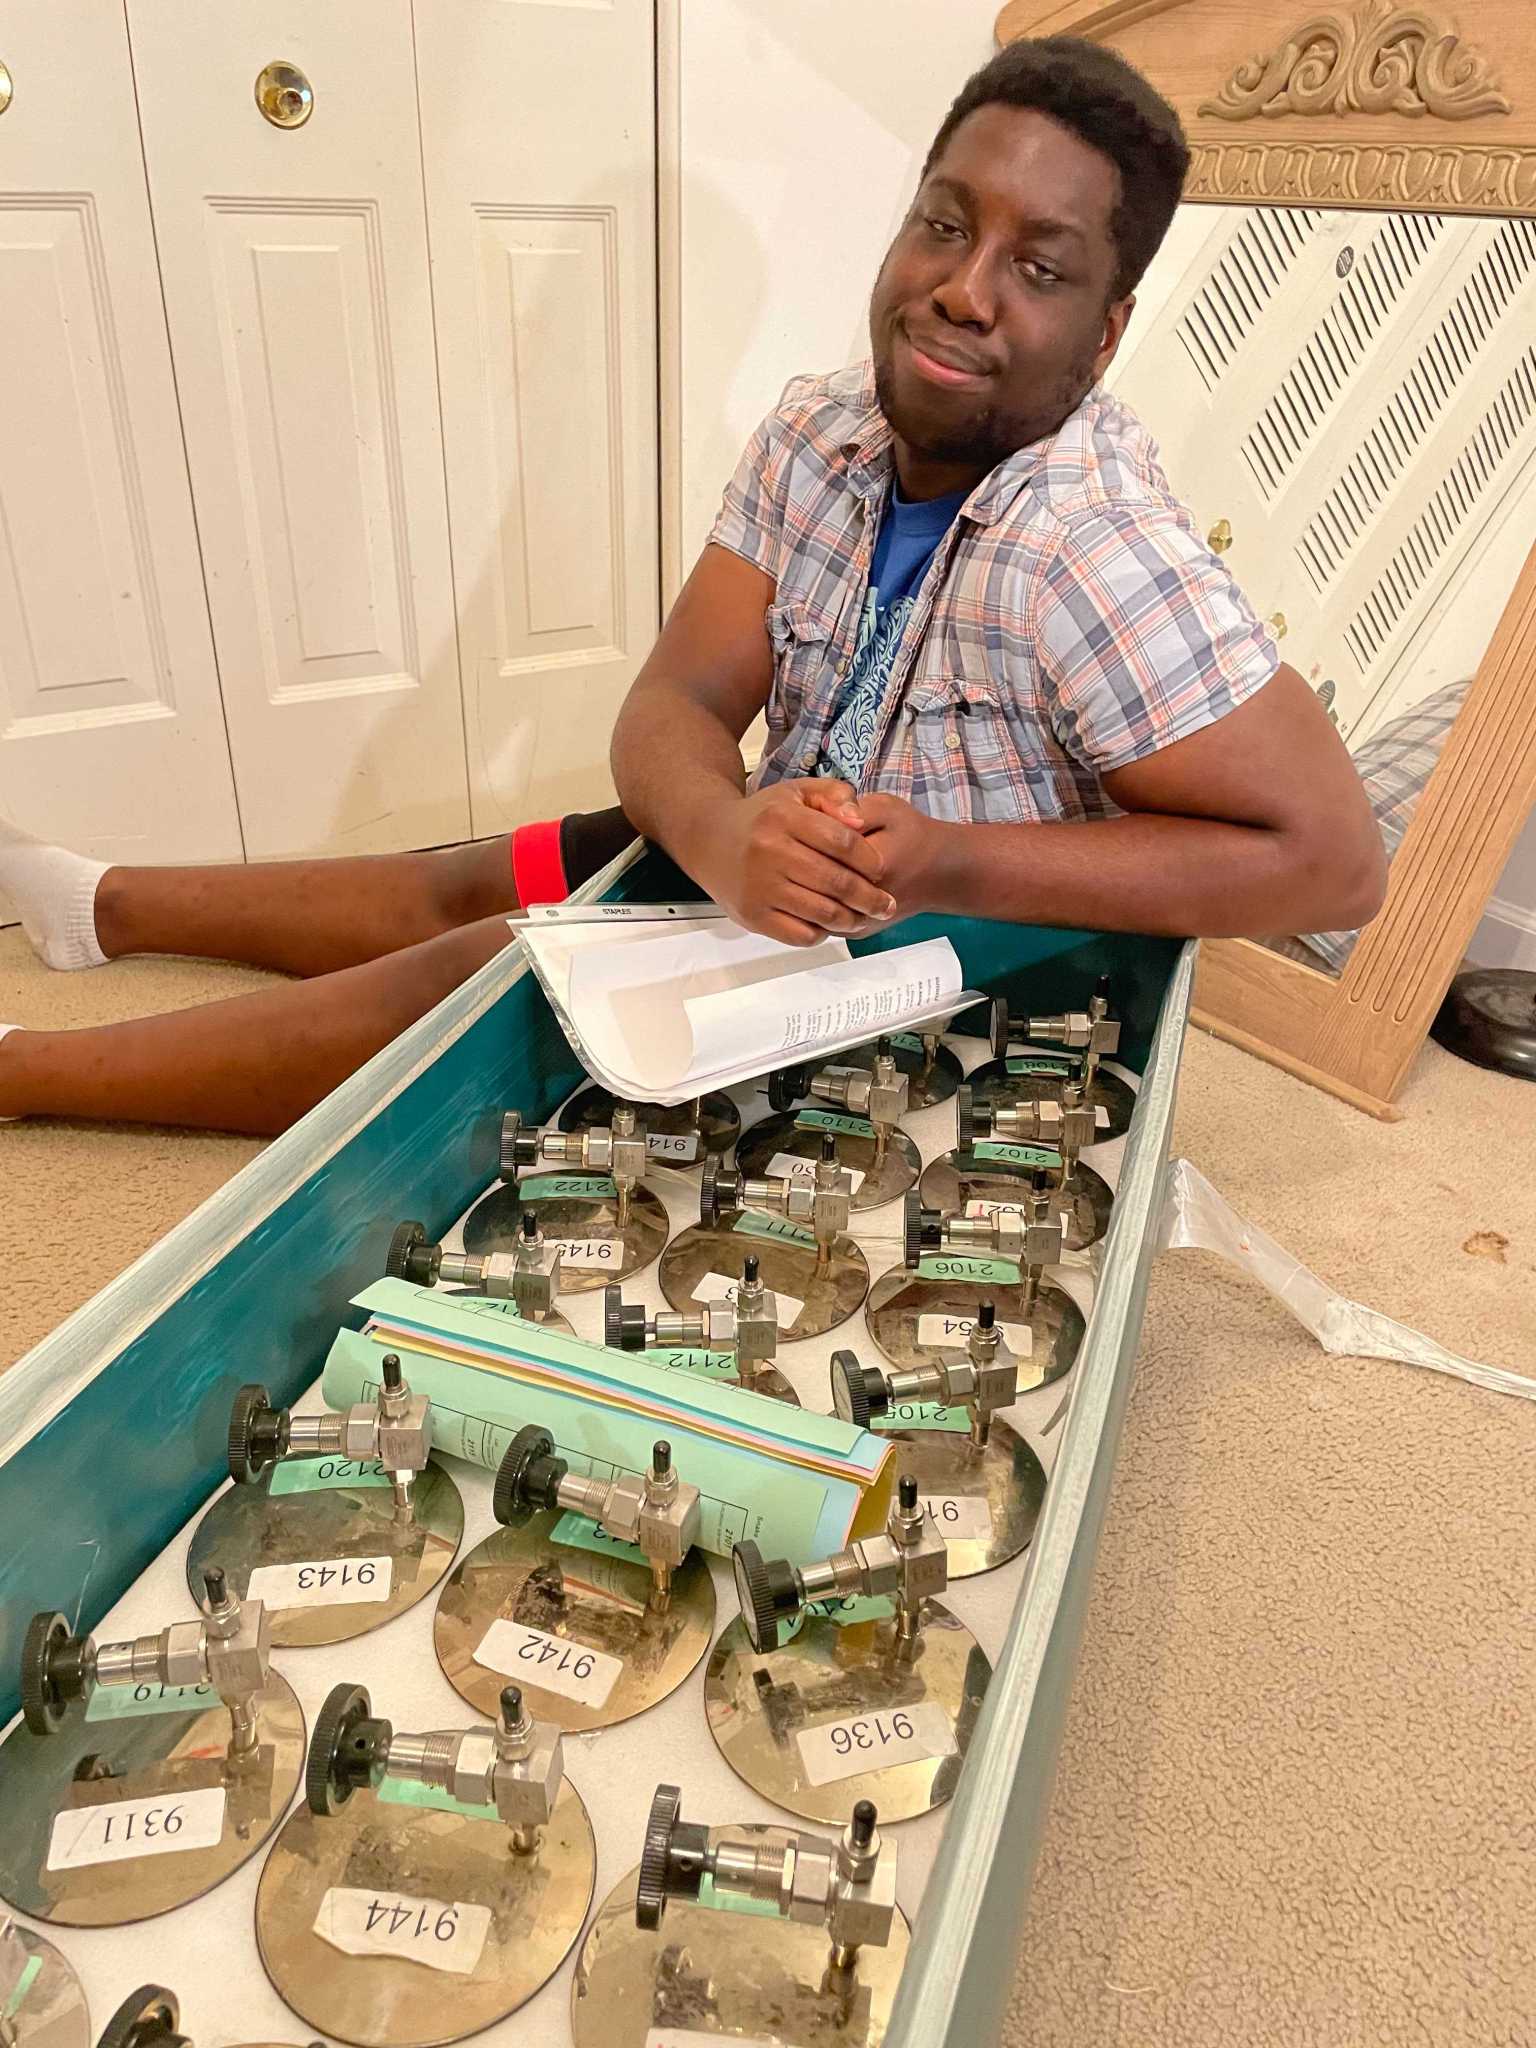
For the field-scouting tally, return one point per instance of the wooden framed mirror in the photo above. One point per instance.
(1374, 167)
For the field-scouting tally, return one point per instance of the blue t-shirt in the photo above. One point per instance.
(904, 547)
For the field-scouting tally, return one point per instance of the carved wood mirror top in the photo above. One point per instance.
(1385, 107)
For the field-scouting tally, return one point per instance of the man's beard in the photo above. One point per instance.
(993, 434)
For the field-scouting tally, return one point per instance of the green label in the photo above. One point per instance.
(719, 1899)
(319, 1475)
(406, 1792)
(709, 1365)
(927, 1414)
(755, 1225)
(829, 1120)
(121, 1702)
(845, 1611)
(953, 1266)
(906, 1041)
(550, 1187)
(24, 1983)
(1052, 1063)
(1018, 1155)
(575, 1532)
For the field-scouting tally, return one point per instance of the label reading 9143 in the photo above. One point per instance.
(327, 1582)
(875, 1742)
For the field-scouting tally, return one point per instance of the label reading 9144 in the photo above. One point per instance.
(439, 1933)
(875, 1742)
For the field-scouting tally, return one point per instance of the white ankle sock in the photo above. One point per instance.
(55, 892)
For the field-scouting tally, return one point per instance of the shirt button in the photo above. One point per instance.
(807, 760)
(952, 740)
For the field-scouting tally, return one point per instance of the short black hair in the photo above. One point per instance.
(1093, 91)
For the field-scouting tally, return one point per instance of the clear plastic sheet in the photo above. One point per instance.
(1196, 1217)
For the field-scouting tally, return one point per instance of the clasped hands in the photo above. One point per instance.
(802, 859)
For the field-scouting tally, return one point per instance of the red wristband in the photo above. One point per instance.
(538, 872)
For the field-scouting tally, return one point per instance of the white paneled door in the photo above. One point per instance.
(538, 139)
(299, 304)
(111, 734)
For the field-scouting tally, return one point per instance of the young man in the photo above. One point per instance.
(1001, 672)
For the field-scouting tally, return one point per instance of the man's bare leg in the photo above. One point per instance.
(304, 916)
(251, 1063)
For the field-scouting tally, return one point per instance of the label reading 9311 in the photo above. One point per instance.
(162, 1824)
(875, 1742)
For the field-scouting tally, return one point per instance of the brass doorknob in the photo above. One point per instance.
(1219, 539)
(5, 88)
(284, 95)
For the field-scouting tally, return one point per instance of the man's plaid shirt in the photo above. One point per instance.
(1072, 620)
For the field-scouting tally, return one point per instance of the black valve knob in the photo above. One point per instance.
(518, 1146)
(394, 1378)
(411, 1257)
(921, 1229)
(258, 1434)
(148, 2018)
(906, 1492)
(829, 1148)
(673, 1860)
(748, 1272)
(973, 1120)
(858, 1391)
(768, 1591)
(861, 1827)
(998, 1027)
(719, 1193)
(347, 1751)
(787, 1087)
(215, 1585)
(623, 1324)
(528, 1477)
(53, 1672)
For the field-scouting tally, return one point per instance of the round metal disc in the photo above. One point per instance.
(718, 1122)
(925, 1084)
(245, 1528)
(884, 1182)
(992, 1084)
(1489, 1018)
(827, 1298)
(596, 1601)
(760, 1707)
(710, 1974)
(492, 1226)
(1005, 1474)
(950, 1182)
(163, 1756)
(51, 2012)
(899, 1298)
(537, 1904)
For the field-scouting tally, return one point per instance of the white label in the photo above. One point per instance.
(589, 1254)
(997, 1209)
(517, 1651)
(789, 1166)
(721, 1287)
(965, 1516)
(121, 1702)
(687, 2037)
(328, 1582)
(435, 1932)
(1100, 1117)
(161, 1825)
(874, 1742)
(672, 1144)
(956, 1330)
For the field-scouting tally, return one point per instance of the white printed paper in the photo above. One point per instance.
(589, 1254)
(517, 1651)
(965, 1517)
(327, 1582)
(790, 1166)
(682, 1145)
(955, 1331)
(874, 1742)
(163, 1824)
(440, 1934)
(714, 1286)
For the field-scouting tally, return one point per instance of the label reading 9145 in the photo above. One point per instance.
(875, 1742)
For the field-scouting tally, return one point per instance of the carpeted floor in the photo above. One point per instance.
(1295, 1801)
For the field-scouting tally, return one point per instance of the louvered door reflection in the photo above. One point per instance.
(1355, 393)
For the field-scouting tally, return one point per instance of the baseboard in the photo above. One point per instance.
(1506, 937)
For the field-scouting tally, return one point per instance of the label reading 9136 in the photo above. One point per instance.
(875, 1742)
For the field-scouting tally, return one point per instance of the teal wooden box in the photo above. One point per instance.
(112, 1431)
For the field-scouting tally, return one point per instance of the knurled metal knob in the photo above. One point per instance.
(787, 1087)
(767, 1591)
(148, 2018)
(719, 1192)
(858, 1391)
(651, 1891)
(52, 1672)
(258, 1434)
(342, 1749)
(623, 1323)
(411, 1257)
(528, 1476)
